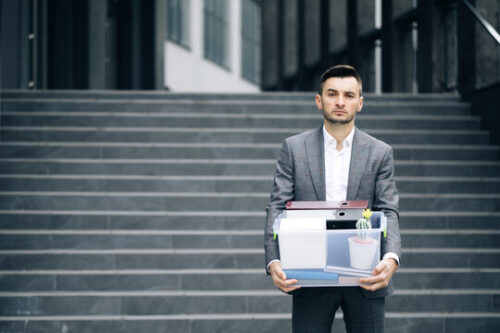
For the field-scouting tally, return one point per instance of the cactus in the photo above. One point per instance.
(364, 224)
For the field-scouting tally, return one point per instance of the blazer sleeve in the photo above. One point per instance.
(282, 192)
(386, 199)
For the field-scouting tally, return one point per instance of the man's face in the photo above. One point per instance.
(340, 100)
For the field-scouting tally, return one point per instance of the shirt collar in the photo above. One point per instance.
(330, 141)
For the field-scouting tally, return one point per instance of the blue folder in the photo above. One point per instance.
(309, 274)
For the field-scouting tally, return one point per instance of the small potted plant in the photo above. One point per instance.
(362, 247)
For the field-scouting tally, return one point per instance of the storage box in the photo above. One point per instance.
(317, 256)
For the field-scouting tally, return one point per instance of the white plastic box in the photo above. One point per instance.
(318, 257)
(303, 248)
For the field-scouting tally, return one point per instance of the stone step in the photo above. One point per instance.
(450, 220)
(305, 106)
(45, 241)
(396, 322)
(128, 96)
(145, 150)
(210, 220)
(219, 166)
(215, 201)
(138, 258)
(232, 120)
(129, 183)
(98, 275)
(417, 322)
(175, 303)
(46, 219)
(227, 135)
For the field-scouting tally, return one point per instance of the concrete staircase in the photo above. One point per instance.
(144, 212)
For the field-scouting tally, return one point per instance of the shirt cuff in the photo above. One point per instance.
(267, 267)
(391, 255)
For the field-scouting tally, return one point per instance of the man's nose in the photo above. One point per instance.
(340, 100)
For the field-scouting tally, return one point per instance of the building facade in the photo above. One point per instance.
(409, 46)
(213, 45)
(176, 45)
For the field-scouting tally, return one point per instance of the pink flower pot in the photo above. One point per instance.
(362, 252)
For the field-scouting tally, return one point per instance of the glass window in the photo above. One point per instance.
(178, 21)
(216, 31)
(250, 40)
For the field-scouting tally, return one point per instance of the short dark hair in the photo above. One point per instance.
(340, 71)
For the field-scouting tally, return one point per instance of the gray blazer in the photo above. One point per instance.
(300, 176)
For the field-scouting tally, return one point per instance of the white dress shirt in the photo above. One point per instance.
(337, 164)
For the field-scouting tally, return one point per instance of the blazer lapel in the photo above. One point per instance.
(315, 154)
(359, 157)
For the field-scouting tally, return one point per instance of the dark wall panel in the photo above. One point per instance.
(67, 44)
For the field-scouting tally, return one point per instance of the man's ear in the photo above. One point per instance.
(360, 106)
(318, 102)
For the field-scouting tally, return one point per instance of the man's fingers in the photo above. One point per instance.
(381, 276)
(290, 285)
(374, 283)
(373, 287)
(280, 281)
(379, 268)
(288, 289)
(286, 285)
(376, 277)
(278, 272)
(371, 279)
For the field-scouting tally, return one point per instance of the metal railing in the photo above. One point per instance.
(486, 25)
(491, 31)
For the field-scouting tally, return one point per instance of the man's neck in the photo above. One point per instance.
(339, 131)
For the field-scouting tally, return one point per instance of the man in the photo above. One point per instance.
(337, 162)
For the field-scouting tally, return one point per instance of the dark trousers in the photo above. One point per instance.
(314, 310)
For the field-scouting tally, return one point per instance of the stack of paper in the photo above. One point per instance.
(348, 271)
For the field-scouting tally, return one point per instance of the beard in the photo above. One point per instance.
(335, 121)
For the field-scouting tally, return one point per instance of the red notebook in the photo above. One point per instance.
(362, 204)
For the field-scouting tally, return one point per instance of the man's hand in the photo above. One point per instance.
(279, 278)
(382, 275)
